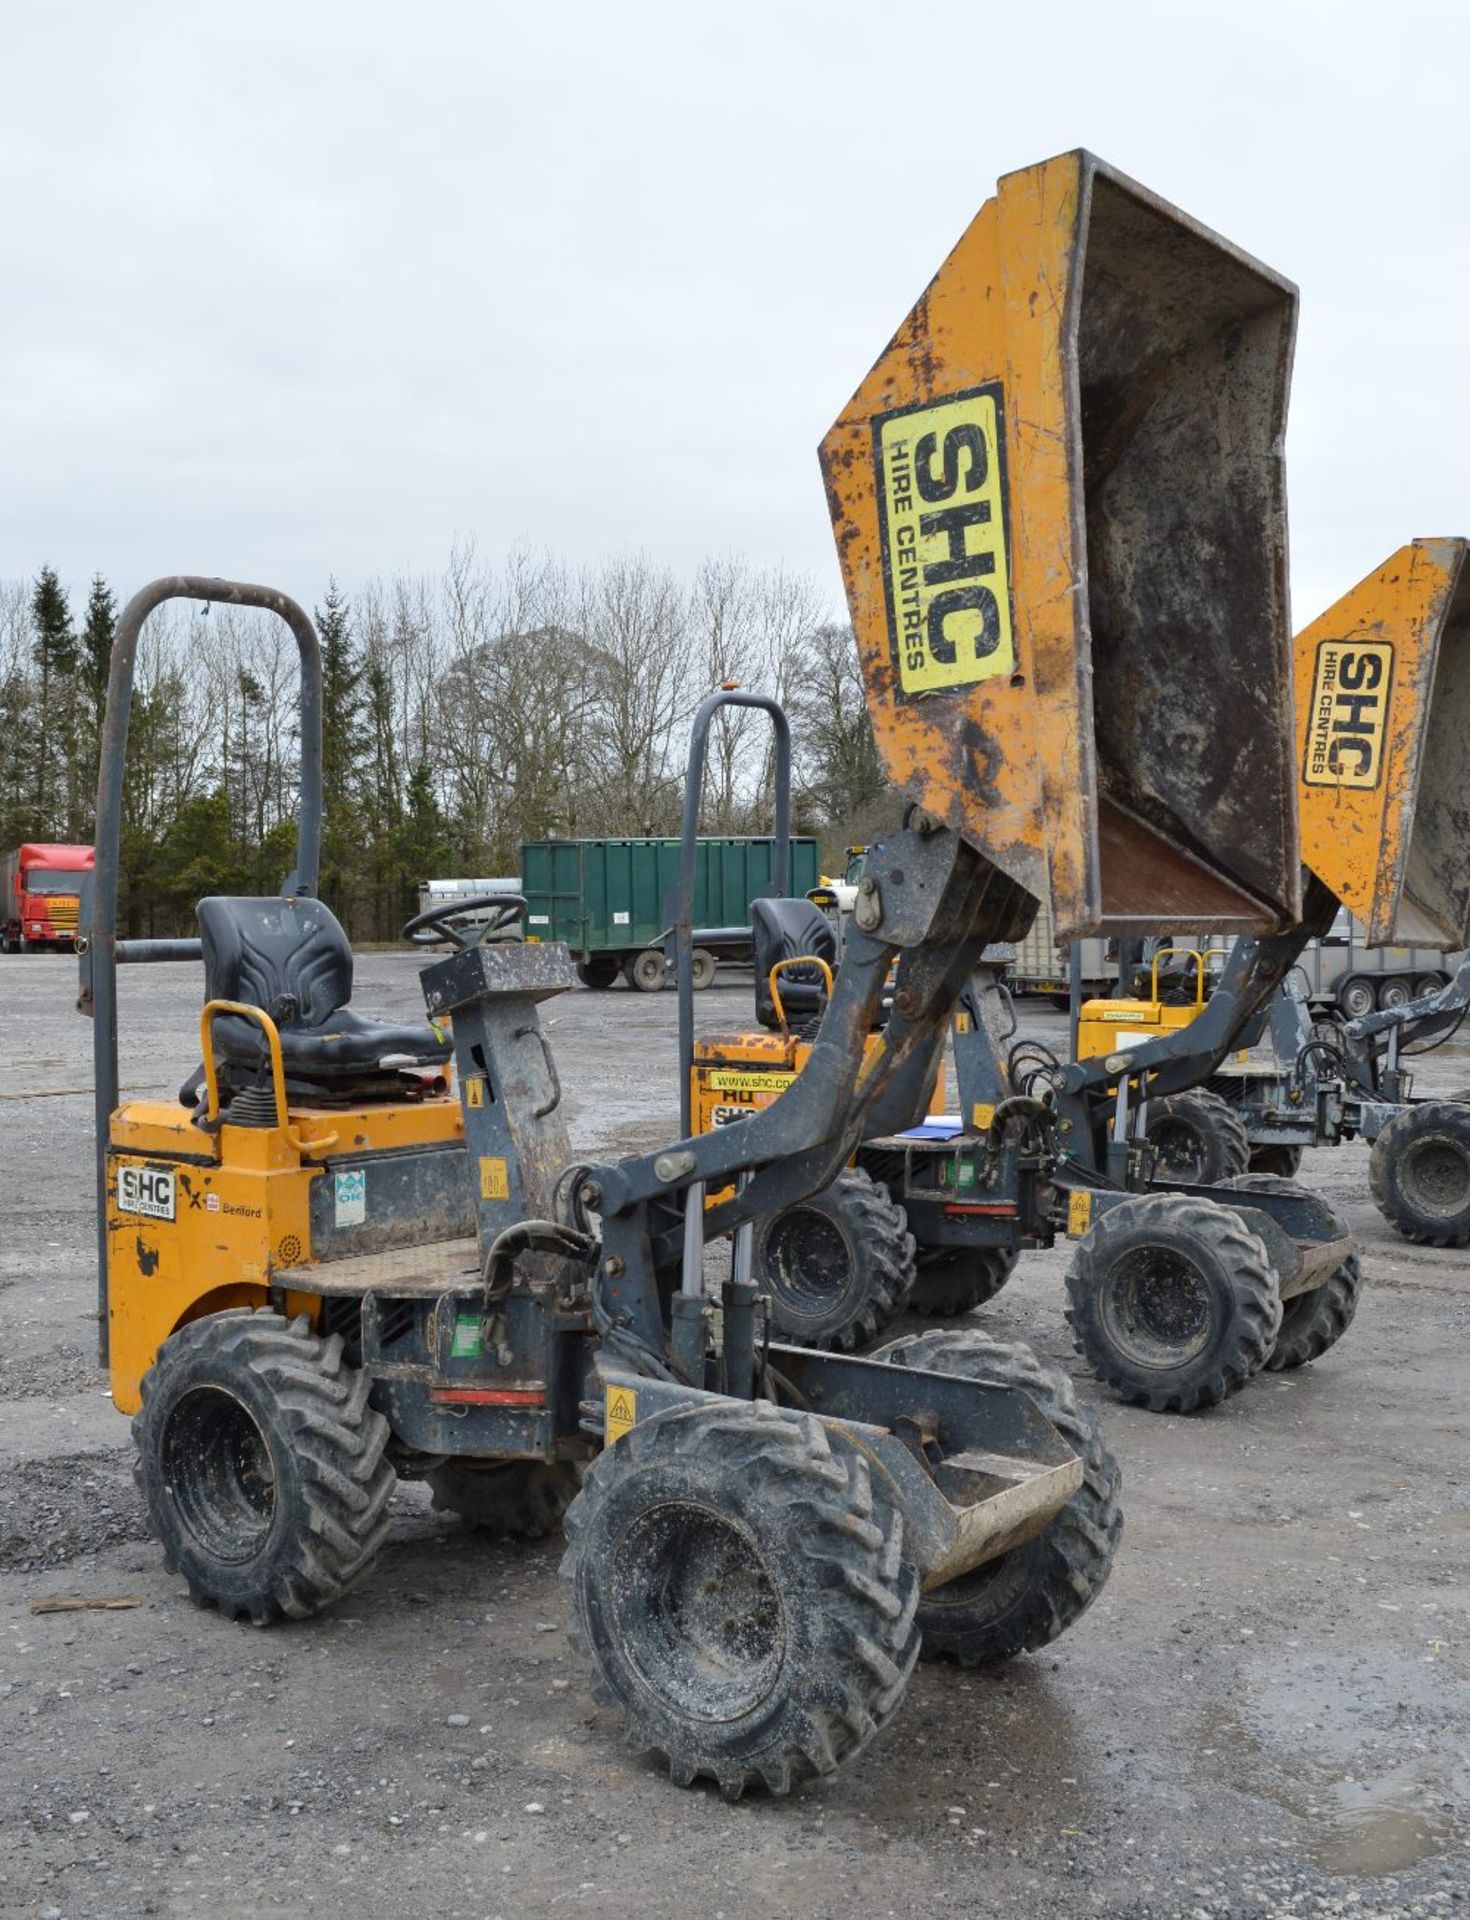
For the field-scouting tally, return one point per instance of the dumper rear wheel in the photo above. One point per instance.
(959, 1279)
(523, 1499)
(1199, 1138)
(1419, 1174)
(740, 1587)
(1173, 1302)
(838, 1266)
(1310, 1322)
(262, 1465)
(1033, 1593)
(1278, 1160)
(598, 973)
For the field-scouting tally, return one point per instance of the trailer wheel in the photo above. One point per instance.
(1428, 983)
(740, 1587)
(1199, 1138)
(1310, 1322)
(705, 968)
(959, 1279)
(1356, 997)
(1173, 1301)
(1033, 1593)
(1282, 1162)
(598, 974)
(522, 1499)
(1419, 1174)
(1396, 992)
(262, 1465)
(838, 1265)
(645, 970)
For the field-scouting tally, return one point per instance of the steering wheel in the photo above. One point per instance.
(428, 929)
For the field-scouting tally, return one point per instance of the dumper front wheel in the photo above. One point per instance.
(959, 1279)
(1173, 1301)
(262, 1465)
(509, 1499)
(1419, 1174)
(1033, 1593)
(838, 1266)
(741, 1589)
(1314, 1321)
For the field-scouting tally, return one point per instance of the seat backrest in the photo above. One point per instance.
(790, 930)
(288, 957)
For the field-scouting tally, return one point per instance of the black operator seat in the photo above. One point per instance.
(791, 930)
(291, 958)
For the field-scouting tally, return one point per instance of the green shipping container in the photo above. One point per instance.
(610, 896)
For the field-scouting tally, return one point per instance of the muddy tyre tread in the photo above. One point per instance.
(1063, 1571)
(1219, 1127)
(1310, 1322)
(1216, 1374)
(508, 1500)
(1397, 1206)
(961, 1279)
(337, 1442)
(859, 1640)
(878, 1231)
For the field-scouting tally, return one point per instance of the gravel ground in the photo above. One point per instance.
(1266, 1712)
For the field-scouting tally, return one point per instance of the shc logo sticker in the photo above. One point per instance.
(946, 567)
(1347, 720)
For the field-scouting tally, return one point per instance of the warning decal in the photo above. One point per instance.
(1347, 720)
(619, 1413)
(1079, 1212)
(494, 1178)
(942, 516)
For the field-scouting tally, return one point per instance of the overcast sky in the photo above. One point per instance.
(303, 289)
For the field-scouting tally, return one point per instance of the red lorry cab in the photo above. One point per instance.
(39, 888)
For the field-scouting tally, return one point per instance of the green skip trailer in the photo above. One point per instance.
(611, 901)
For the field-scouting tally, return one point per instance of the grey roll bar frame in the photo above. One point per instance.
(682, 917)
(100, 950)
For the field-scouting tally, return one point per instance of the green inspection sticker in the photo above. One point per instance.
(467, 1343)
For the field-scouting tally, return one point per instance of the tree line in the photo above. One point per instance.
(464, 714)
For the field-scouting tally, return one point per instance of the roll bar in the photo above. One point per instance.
(682, 917)
(99, 950)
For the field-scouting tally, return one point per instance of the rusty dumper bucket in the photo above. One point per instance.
(1383, 709)
(1060, 507)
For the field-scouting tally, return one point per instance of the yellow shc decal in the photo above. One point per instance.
(1079, 1212)
(474, 1091)
(736, 1080)
(620, 1411)
(981, 1116)
(946, 568)
(494, 1178)
(1348, 718)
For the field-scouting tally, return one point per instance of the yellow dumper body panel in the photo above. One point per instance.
(1383, 709)
(200, 1221)
(1059, 506)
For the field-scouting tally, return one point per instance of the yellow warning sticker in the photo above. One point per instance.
(743, 1080)
(1079, 1212)
(620, 1411)
(474, 1091)
(1347, 720)
(962, 1021)
(946, 570)
(981, 1116)
(494, 1178)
